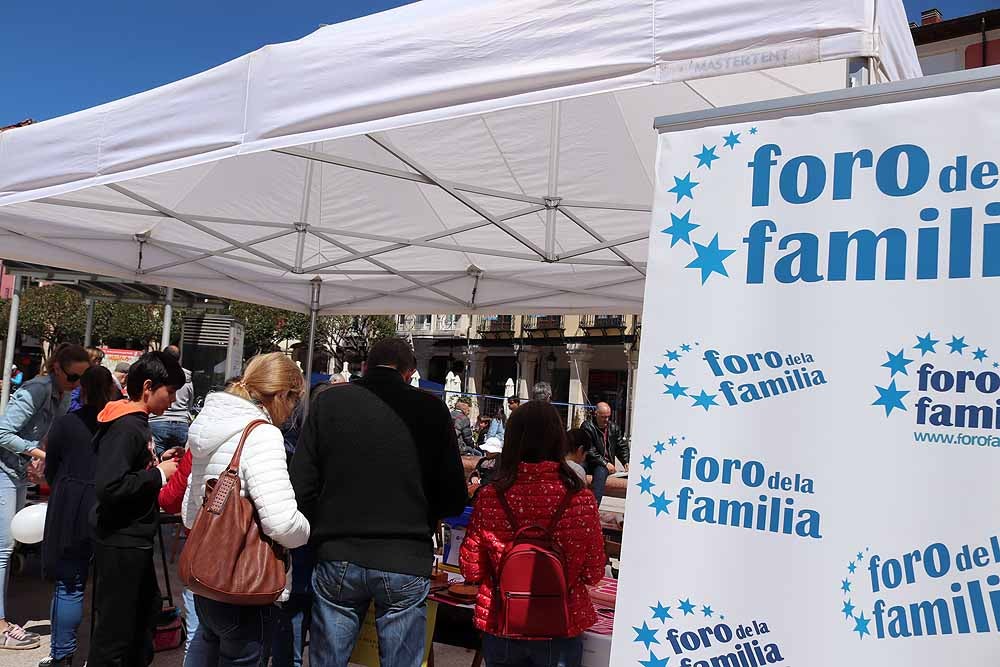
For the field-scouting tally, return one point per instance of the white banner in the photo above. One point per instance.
(816, 451)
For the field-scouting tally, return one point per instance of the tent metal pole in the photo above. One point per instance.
(88, 331)
(8, 352)
(168, 315)
(317, 285)
(552, 199)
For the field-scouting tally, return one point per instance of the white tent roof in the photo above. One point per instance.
(446, 156)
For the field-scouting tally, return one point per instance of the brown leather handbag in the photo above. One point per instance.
(227, 558)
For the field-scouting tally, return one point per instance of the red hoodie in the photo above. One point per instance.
(172, 495)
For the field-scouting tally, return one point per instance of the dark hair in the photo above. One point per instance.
(534, 434)
(577, 439)
(394, 352)
(159, 368)
(96, 354)
(173, 351)
(516, 400)
(500, 416)
(97, 388)
(64, 354)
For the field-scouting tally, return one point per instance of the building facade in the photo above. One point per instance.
(951, 45)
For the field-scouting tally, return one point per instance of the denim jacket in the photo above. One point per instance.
(29, 413)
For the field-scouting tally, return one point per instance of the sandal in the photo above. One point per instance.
(15, 638)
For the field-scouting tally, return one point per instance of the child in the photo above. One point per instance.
(576, 454)
(126, 517)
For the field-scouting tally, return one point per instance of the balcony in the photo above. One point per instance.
(414, 324)
(604, 325)
(496, 327)
(542, 326)
(446, 324)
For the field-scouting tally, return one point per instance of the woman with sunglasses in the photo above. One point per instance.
(29, 414)
(269, 390)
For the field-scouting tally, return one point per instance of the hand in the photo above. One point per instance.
(612, 469)
(37, 454)
(626, 467)
(172, 453)
(168, 467)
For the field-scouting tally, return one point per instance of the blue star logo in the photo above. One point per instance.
(685, 348)
(672, 441)
(646, 635)
(660, 503)
(706, 611)
(680, 229)
(647, 462)
(654, 661)
(926, 344)
(646, 485)
(861, 625)
(676, 390)
(683, 187)
(673, 355)
(848, 609)
(659, 448)
(686, 606)
(890, 398)
(732, 139)
(661, 613)
(665, 371)
(706, 156)
(979, 354)
(710, 259)
(861, 556)
(704, 400)
(851, 567)
(996, 364)
(845, 586)
(897, 363)
(957, 344)
(753, 130)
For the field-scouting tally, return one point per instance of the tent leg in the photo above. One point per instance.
(168, 316)
(317, 284)
(8, 353)
(88, 332)
(859, 72)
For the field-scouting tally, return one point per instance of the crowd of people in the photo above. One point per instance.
(353, 488)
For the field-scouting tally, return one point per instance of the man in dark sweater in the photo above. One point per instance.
(376, 467)
(606, 444)
(125, 520)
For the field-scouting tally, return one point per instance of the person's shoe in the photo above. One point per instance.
(28, 634)
(14, 638)
(49, 661)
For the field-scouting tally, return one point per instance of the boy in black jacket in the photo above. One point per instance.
(125, 519)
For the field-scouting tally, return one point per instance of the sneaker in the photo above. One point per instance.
(28, 634)
(15, 638)
(49, 661)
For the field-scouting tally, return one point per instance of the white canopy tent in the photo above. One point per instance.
(446, 156)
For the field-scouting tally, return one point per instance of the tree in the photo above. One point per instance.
(132, 325)
(350, 337)
(266, 327)
(53, 314)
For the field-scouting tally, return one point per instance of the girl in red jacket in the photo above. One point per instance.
(535, 480)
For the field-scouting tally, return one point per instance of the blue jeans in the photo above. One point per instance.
(67, 606)
(190, 620)
(294, 620)
(500, 652)
(13, 495)
(229, 634)
(600, 479)
(168, 434)
(342, 592)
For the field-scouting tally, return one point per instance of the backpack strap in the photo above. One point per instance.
(505, 506)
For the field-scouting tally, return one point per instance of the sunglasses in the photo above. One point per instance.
(71, 377)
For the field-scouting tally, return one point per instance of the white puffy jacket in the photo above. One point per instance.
(213, 438)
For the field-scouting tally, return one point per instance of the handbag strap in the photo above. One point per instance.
(234, 463)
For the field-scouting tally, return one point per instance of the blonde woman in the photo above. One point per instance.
(270, 389)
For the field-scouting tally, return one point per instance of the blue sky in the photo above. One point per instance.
(59, 56)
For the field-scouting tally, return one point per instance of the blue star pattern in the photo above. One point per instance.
(846, 586)
(661, 613)
(673, 355)
(659, 448)
(732, 139)
(665, 371)
(680, 229)
(704, 400)
(710, 259)
(646, 635)
(897, 363)
(706, 611)
(676, 390)
(707, 156)
(647, 462)
(660, 503)
(852, 567)
(848, 609)
(753, 130)
(672, 441)
(683, 187)
(654, 661)
(891, 398)
(646, 485)
(979, 354)
(925, 344)
(861, 625)
(957, 344)
(685, 348)
(686, 606)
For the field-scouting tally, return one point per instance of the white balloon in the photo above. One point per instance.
(28, 525)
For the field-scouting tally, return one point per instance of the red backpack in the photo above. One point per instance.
(531, 591)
